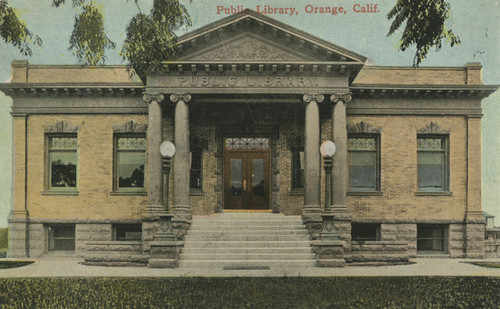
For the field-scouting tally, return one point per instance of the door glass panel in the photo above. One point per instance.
(258, 177)
(236, 177)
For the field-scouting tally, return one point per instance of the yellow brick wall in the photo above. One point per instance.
(399, 171)
(19, 164)
(95, 171)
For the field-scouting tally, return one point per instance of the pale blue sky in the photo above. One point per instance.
(476, 22)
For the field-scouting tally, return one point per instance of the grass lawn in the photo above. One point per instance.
(487, 264)
(284, 292)
(13, 264)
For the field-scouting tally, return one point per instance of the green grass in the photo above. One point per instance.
(487, 264)
(13, 264)
(285, 292)
(4, 239)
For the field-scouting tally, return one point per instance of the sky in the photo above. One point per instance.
(476, 22)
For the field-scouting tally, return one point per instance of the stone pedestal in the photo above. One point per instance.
(329, 253)
(474, 246)
(165, 254)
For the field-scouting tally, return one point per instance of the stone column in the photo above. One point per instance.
(154, 162)
(312, 165)
(182, 207)
(340, 171)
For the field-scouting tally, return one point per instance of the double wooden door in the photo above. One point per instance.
(246, 180)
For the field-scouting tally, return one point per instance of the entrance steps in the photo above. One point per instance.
(247, 241)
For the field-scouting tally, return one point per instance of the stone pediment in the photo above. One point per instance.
(246, 47)
(254, 37)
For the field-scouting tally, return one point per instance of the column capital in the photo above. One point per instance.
(176, 97)
(318, 97)
(148, 97)
(346, 97)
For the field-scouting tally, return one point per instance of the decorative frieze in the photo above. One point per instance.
(130, 127)
(61, 127)
(362, 127)
(432, 128)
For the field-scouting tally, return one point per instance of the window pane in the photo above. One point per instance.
(363, 170)
(431, 170)
(62, 237)
(63, 169)
(247, 143)
(365, 231)
(195, 181)
(128, 232)
(258, 177)
(63, 143)
(236, 177)
(297, 168)
(132, 143)
(430, 238)
(131, 169)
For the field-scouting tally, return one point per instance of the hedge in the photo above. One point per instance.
(269, 292)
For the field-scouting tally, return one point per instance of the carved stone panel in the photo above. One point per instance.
(61, 127)
(362, 127)
(130, 127)
(432, 128)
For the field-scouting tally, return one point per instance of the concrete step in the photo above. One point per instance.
(248, 264)
(246, 250)
(236, 227)
(246, 244)
(217, 233)
(247, 256)
(229, 237)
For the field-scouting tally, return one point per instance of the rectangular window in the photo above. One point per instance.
(61, 237)
(432, 163)
(365, 231)
(130, 158)
(298, 168)
(62, 162)
(363, 156)
(431, 238)
(196, 180)
(127, 232)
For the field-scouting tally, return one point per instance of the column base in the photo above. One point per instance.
(311, 217)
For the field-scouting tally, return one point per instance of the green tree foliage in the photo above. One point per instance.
(425, 26)
(15, 32)
(89, 42)
(150, 39)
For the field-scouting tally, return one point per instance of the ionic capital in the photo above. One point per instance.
(148, 97)
(344, 97)
(176, 97)
(318, 97)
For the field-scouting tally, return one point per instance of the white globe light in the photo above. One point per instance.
(327, 149)
(167, 149)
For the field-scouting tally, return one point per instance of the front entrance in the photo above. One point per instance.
(246, 173)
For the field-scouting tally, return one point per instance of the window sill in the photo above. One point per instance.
(73, 193)
(433, 193)
(365, 193)
(196, 193)
(128, 193)
(296, 192)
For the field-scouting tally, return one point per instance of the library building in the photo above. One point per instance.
(259, 145)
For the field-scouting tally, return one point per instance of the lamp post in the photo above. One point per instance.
(327, 150)
(167, 150)
(166, 232)
(328, 232)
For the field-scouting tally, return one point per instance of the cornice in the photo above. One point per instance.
(423, 91)
(71, 90)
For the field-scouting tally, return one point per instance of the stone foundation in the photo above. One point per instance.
(115, 253)
(401, 232)
(390, 252)
(492, 248)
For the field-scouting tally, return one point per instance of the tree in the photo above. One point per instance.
(150, 38)
(425, 26)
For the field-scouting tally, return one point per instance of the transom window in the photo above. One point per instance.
(363, 155)
(130, 158)
(432, 163)
(62, 162)
(247, 143)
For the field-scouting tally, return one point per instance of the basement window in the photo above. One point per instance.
(61, 237)
(431, 238)
(127, 232)
(365, 231)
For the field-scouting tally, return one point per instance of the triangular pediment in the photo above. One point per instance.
(247, 47)
(254, 37)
